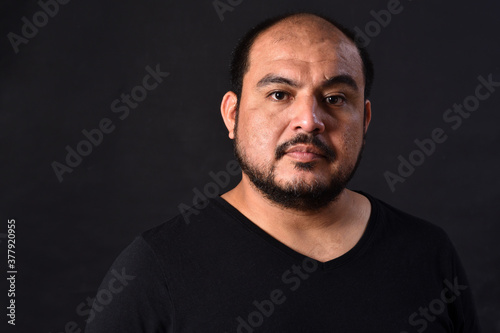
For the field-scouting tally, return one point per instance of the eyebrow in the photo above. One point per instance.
(272, 78)
(338, 79)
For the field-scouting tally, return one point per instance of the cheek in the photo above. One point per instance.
(351, 139)
(258, 134)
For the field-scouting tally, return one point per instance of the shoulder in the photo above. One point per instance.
(191, 221)
(423, 254)
(404, 222)
(408, 232)
(132, 287)
(191, 232)
(405, 238)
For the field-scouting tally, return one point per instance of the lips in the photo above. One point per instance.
(305, 148)
(305, 153)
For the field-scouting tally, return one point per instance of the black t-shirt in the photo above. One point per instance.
(222, 273)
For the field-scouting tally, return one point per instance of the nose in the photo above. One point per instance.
(307, 115)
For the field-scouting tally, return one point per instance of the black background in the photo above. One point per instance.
(66, 77)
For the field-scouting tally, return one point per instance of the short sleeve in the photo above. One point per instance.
(134, 296)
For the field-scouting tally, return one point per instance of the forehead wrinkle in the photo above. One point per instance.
(287, 40)
(289, 36)
(292, 46)
(305, 29)
(342, 73)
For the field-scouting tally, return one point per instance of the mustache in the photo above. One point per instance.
(306, 139)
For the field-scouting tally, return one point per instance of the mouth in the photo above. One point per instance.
(305, 148)
(305, 153)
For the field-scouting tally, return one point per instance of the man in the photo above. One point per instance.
(290, 249)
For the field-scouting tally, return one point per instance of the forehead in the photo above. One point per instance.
(305, 44)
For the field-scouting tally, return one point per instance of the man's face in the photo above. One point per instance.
(301, 121)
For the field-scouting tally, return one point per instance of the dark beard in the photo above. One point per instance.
(300, 196)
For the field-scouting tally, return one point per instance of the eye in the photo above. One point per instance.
(278, 95)
(335, 100)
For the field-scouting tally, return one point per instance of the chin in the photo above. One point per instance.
(302, 179)
(305, 171)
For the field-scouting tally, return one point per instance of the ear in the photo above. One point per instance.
(367, 116)
(228, 111)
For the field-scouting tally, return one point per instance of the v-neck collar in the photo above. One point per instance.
(354, 252)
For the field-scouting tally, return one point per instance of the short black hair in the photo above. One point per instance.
(240, 63)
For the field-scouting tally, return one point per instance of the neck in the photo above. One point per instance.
(339, 224)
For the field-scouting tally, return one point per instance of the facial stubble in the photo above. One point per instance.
(298, 194)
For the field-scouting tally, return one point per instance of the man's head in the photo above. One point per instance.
(299, 112)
